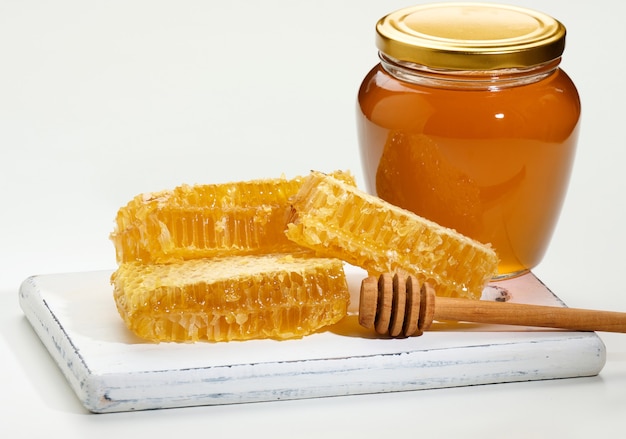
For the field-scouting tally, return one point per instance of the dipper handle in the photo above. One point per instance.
(400, 305)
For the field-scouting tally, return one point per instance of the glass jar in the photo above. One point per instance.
(469, 121)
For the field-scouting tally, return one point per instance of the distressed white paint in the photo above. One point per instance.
(111, 370)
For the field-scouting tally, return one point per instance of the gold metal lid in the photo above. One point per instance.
(470, 36)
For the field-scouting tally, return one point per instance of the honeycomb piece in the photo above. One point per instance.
(340, 221)
(201, 221)
(231, 298)
(429, 185)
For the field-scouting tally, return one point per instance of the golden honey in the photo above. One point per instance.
(474, 126)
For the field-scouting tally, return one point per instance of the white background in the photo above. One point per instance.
(102, 100)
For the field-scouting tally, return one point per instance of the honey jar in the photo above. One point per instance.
(469, 121)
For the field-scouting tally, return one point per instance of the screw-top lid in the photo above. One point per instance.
(470, 36)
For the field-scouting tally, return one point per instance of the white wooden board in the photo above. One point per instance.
(111, 370)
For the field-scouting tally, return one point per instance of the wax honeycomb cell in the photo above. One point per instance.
(278, 296)
(341, 221)
(199, 221)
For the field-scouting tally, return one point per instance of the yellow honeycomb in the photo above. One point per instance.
(340, 221)
(231, 298)
(200, 221)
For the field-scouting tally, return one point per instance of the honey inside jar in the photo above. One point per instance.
(489, 155)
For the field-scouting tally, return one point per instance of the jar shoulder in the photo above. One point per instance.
(551, 106)
(379, 88)
(378, 81)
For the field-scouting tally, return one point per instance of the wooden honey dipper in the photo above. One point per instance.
(399, 305)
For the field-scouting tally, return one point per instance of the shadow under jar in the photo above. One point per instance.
(469, 121)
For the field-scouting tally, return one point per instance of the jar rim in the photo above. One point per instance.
(470, 36)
